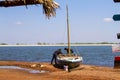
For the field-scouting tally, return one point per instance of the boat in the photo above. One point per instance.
(72, 60)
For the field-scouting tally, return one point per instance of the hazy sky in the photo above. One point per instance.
(90, 21)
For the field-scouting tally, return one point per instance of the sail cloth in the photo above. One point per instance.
(49, 6)
(116, 48)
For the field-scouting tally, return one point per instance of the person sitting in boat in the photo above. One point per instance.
(71, 51)
(57, 52)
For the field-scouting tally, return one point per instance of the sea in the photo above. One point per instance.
(92, 55)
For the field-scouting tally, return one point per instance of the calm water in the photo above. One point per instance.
(94, 55)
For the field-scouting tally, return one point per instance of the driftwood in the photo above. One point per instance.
(49, 6)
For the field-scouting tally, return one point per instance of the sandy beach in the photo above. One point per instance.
(83, 72)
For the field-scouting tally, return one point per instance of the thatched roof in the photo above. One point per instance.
(49, 6)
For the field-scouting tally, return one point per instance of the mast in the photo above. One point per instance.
(68, 31)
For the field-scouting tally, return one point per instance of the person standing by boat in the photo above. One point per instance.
(71, 51)
(57, 52)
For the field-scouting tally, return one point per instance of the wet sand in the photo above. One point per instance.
(83, 72)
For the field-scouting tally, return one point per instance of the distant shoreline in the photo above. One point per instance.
(63, 45)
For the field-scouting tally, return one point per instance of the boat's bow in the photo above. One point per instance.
(69, 60)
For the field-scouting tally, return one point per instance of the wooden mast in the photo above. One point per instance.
(68, 31)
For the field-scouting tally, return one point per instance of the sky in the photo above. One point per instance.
(90, 21)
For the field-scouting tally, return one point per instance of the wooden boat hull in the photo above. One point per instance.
(71, 62)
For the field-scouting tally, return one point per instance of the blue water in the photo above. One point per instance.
(93, 55)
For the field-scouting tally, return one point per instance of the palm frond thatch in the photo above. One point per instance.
(49, 6)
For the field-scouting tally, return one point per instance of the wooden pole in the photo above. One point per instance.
(49, 6)
(68, 30)
(19, 3)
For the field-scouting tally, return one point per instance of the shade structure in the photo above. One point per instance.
(49, 6)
